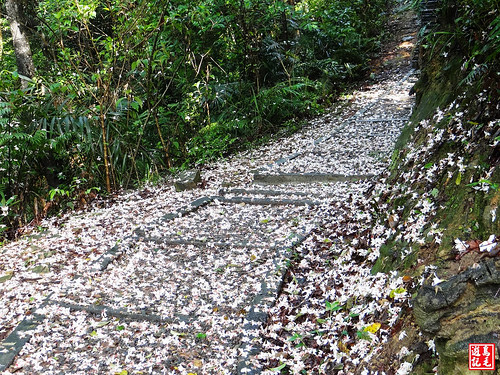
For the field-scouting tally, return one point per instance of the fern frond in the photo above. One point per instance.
(475, 74)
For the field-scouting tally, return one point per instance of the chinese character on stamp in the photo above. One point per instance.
(481, 356)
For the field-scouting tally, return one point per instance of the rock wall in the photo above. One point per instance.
(464, 309)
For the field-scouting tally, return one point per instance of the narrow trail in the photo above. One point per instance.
(166, 282)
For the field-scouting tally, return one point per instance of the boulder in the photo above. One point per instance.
(461, 310)
(187, 180)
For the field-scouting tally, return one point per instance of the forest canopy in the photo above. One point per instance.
(99, 95)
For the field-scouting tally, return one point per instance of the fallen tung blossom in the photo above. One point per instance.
(203, 297)
(404, 369)
(488, 245)
(196, 277)
(150, 277)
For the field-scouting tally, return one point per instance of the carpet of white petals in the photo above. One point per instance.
(179, 295)
(333, 314)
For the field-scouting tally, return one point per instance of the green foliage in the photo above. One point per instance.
(483, 181)
(126, 90)
(335, 306)
(6, 206)
(470, 28)
(363, 335)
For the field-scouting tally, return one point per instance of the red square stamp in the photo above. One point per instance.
(481, 356)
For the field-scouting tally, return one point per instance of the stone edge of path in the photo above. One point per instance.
(268, 201)
(266, 297)
(266, 192)
(12, 344)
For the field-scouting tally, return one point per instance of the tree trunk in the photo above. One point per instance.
(1, 41)
(22, 50)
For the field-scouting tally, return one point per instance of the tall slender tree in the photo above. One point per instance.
(22, 50)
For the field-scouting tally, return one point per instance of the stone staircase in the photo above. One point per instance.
(188, 291)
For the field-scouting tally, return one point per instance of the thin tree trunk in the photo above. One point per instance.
(1, 40)
(105, 151)
(22, 50)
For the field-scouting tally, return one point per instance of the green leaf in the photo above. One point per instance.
(279, 368)
(396, 291)
(43, 268)
(89, 190)
(459, 178)
(134, 105)
(120, 328)
(335, 306)
(295, 336)
(363, 335)
(494, 186)
(180, 334)
(52, 193)
(7, 277)
(93, 333)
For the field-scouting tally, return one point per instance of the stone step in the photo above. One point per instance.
(173, 282)
(304, 178)
(195, 205)
(254, 237)
(208, 243)
(105, 259)
(235, 216)
(100, 310)
(267, 201)
(402, 119)
(266, 192)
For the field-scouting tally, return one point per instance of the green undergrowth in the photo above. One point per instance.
(126, 91)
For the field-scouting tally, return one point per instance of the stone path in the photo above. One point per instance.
(187, 290)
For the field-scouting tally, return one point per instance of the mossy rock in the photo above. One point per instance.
(462, 310)
(395, 255)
